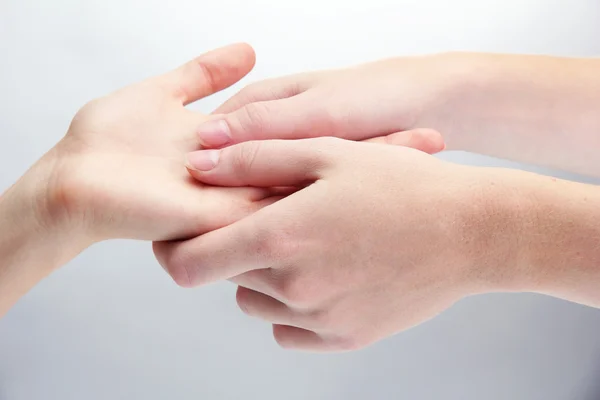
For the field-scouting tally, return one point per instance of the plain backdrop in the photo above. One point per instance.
(112, 325)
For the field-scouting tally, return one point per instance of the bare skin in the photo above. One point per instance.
(118, 173)
(379, 239)
(535, 109)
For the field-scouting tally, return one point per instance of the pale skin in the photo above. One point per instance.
(373, 239)
(377, 239)
(119, 173)
(536, 109)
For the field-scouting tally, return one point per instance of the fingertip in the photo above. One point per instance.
(215, 132)
(424, 139)
(211, 72)
(244, 54)
(433, 141)
(202, 160)
(248, 51)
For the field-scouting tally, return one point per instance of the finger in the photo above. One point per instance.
(210, 72)
(426, 140)
(258, 305)
(295, 117)
(263, 163)
(269, 89)
(221, 254)
(252, 243)
(259, 280)
(291, 337)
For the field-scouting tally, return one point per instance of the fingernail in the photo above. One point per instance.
(214, 133)
(203, 160)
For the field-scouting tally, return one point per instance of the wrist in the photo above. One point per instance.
(528, 108)
(560, 246)
(498, 212)
(37, 207)
(459, 81)
(32, 244)
(532, 233)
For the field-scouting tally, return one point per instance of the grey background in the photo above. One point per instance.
(111, 325)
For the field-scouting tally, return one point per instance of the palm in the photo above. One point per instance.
(124, 157)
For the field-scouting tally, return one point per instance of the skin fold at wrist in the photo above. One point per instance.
(33, 244)
(33, 210)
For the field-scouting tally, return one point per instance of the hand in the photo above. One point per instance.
(508, 106)
(119, 171)
(375, 99)
(376, 239)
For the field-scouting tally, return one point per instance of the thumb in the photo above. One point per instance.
(262, 163)
(210, 72)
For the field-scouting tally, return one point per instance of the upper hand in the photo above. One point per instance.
(371, 100)
(376, 239)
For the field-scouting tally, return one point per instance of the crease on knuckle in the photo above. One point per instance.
(298, 290)
(264, 245)
(254, 118)
(323, 319)
(244, 158)
(208, 73)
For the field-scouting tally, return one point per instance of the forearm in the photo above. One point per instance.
(554, 237)
(31, 244)
(535, 109)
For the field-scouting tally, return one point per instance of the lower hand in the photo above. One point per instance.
(118, 173)
(376, 239)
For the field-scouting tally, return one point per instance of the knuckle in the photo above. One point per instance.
(323, 319)
(244, 158)
(327, 146)
(338, 118)
(276, 245)
(263, 247)
(208, 72)
(297, 290)
(350, 342)
(250, 92)
(254, 117)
